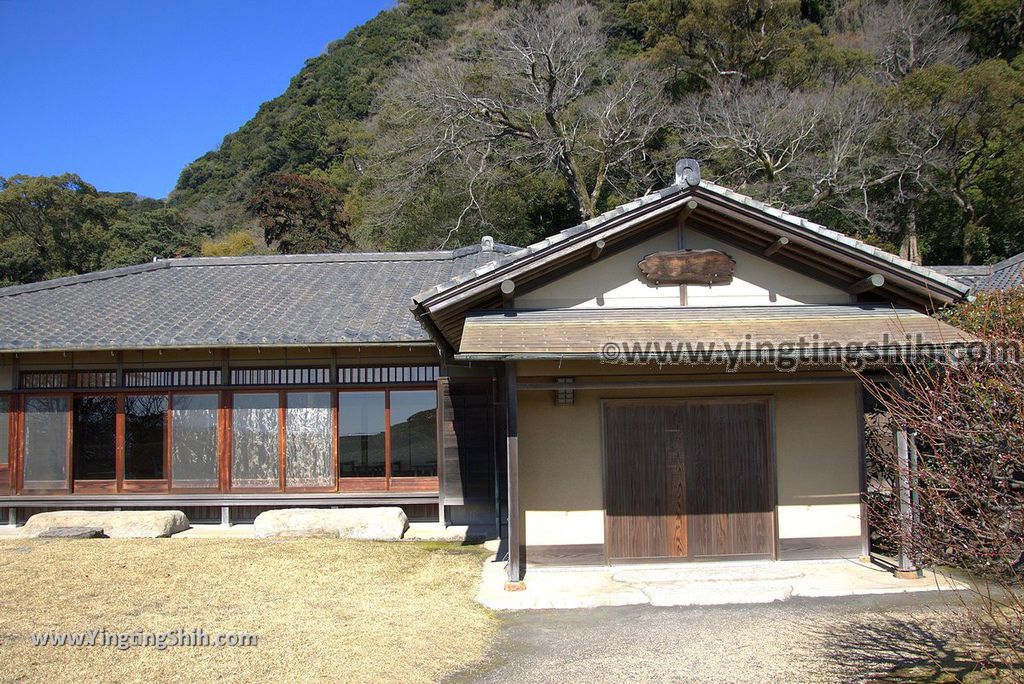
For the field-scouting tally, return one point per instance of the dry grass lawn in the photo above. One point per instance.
(324, 610)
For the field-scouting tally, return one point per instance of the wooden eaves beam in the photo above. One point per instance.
(508, 287)
(871, 282)
(776, 246)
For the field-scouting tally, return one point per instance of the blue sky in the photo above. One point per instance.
(125, 93)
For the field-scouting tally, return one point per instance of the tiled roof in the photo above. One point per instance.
(232, 301)
(708, 188)
(1004, 275)
(966, 274)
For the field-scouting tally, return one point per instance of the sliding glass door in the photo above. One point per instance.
(47, 430)
(194, 443)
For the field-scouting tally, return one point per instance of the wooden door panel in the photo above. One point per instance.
(636, 494)
(729, 503)
(687, 479)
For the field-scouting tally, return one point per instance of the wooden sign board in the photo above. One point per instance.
(688, 267)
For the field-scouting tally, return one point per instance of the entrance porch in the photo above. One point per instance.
(662, 466)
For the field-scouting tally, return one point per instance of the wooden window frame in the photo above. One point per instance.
(362, 484)
(225, 422)
(143, 486)
(280, 441)
(7, 468)
(208, 391)
(334, 441)
(69, 426)
(390, 484)
(98, 486)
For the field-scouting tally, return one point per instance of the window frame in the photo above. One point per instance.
(8, 467)
(225, 425)
(221, 412)
(388, 483)
(69, 427)
(97, 486)
(284, 439)
(131, 486)
(415, 483)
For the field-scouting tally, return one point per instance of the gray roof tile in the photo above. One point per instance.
(232, 301)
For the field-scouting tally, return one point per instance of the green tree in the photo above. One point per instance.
(966, 128)
(62, 219)
(150, 230)
(704, 41)
(995, 27)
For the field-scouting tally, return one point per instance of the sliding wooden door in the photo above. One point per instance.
(688, 478)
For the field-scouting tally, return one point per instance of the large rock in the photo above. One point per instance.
(115, 524)
(70, 533)
(379, 524)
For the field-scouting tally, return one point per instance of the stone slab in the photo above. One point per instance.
(114, 524)
(385, 523)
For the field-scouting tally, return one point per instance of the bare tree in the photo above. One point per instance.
(533, 88)
(907, 35)
(967, 413)
(758, 131)
(800, 148)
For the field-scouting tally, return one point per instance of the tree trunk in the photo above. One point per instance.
(909, 248)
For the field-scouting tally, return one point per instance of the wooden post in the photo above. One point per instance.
(515, 570)
(905, 568)
(685, 212)
(865, 530)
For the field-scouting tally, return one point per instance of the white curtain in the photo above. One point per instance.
(308, 440)
(194, 441)
(46, 442)
(254, 440)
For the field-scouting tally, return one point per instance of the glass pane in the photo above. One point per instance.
(46, 442)
(254, 441)
(194, 441)
(93, 442)
(5, 424)
(308, 440)
(361, 434)
(145, 422)
(414, 434)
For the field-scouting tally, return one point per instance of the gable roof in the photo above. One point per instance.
(737, 219)
(300, 300)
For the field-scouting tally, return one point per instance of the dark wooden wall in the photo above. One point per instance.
(468, 438)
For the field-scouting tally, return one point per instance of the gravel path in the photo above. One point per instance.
(797, 641)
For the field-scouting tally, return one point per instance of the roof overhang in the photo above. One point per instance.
(738, 220)
(764, 334)
(115, 347)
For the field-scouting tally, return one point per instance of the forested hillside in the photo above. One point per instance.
(899, 121)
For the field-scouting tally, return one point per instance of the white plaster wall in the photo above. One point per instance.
(615, 282)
